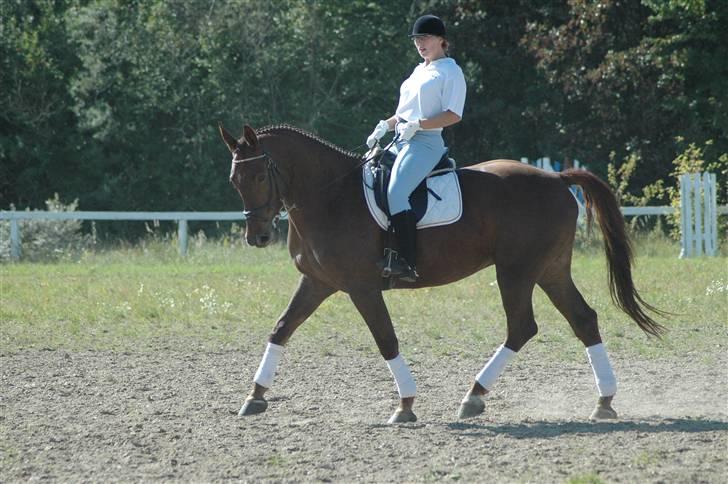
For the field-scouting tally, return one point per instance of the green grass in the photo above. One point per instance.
(224, 296)
(647, 459)
(590, 478)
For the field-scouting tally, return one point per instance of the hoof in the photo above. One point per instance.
(471, 407)
(604, 410)
(253, 407)
(402, 416)
(603, 413)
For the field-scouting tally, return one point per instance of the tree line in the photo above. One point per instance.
(116, 102)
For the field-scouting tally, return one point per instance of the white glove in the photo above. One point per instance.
(378, 133)
(408, 130)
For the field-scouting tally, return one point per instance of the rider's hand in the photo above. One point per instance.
(408, 130)
(378, 133)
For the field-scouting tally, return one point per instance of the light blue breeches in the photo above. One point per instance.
(415, 160)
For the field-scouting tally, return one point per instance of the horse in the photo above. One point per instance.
(517, 217)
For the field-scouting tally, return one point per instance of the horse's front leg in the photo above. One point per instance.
(308, 296)
(374, 311)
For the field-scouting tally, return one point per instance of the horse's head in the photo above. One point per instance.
(255, 176)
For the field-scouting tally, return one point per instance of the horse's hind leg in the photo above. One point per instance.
(560, 288)
(517, 293)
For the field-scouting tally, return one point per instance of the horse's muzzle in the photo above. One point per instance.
(259, 240)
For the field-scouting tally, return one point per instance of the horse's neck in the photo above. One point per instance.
(314, 171)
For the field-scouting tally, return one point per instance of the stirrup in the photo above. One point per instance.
(390, 256)
(396, 267)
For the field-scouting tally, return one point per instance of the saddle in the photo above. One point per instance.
(381, 167)
(436, 200)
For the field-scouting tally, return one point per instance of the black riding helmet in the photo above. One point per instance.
(428, 25)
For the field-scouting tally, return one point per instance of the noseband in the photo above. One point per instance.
(273, 175)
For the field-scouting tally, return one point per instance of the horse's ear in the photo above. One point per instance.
(250, 136)
(231, 142)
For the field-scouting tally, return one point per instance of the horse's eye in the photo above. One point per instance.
(260, 178)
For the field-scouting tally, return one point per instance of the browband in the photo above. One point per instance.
(252, 158)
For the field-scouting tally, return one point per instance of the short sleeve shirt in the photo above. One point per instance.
(431, 90)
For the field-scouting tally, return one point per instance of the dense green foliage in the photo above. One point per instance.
(116, 102)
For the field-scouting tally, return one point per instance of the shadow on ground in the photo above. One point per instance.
(542, 429)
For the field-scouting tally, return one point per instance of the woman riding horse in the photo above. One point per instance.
(516, 217)
(430, 99)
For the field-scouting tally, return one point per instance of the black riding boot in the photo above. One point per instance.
(405, 229)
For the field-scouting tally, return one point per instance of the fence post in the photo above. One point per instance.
(14, 239)
(182, 237)
(710, 213)
(714, 211)
(698, 215)
(685, 236)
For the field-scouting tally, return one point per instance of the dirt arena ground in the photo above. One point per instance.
(171, 415)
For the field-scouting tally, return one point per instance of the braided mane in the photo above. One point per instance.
(306, 134)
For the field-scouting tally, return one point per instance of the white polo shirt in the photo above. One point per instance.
(432, 89)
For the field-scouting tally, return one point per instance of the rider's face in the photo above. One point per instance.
(429, 47)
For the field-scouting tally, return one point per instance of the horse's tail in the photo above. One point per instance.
(618, 248)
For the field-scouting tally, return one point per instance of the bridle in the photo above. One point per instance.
(273, 186)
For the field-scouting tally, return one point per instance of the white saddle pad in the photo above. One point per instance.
(439, 212)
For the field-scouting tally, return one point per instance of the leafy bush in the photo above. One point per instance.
(43, 240)
(620, 178)
(692, 160)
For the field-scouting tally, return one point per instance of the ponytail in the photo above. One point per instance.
(446, 46)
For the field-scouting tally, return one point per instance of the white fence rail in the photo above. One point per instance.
(182, 219)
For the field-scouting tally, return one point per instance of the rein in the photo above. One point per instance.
(364, 161)
(273, 181)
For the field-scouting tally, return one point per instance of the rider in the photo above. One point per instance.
(429, 100)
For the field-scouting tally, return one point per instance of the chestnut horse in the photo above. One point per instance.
(518, 217)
